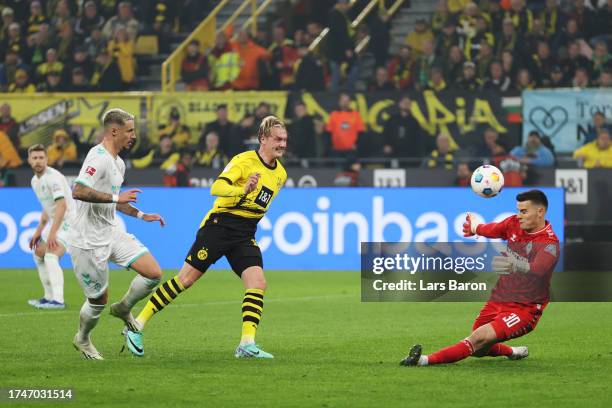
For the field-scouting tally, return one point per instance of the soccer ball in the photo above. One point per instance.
(487, 181)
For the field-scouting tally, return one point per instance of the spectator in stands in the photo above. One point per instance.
(514, 172)
(52, 83)
(309, 74)
(440, 18)
(121, 48)
(250, 55)
(569, 34)
(402, 69)
(605, 79)
(581, 79)
(95, 44)
(426, 61)
(418, 38)
(80, 59)
(90, 21)
(457, 6)
(211, 156)
(62, 16)
(436, 82)
(22, 83)
(9, 69)
(223, 128)
(534, 153)
(464, 175)
(283, 58)
(106, 76)
(447, 39)
(178, 132)
(557, 79)
(467, 19)
(344, 126)
(599, 123)
(38, 44)
(62, 151)
(575, 60)
(453, 65)
(9, 157)
(490, 139)
(584, 16)
(523, 81)
(194, 68)
(496, 17)
(402, 133)
(78, 81)
(9, 125)
(468, 82)
(484, 60)
(244, 134)
(601, 58)
(178, 175)
(481, 34)
(223, 62)
(508, 66)
(442, 157)
(161, 21)
(302, 129)
(497, 81)
(339, 47)
(14, 41)
(66, 43)
(381, 81)
(36, 18)
(349, 176)
(123, 18)
(536, 35)
(164, 155)
(542, 63)
(51, 64)
(553, 18)
(8, 18)
(511, 41)
(597, 153)
(521, 17)
(380, 38)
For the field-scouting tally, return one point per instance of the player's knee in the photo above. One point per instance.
(260, 284)
(40, 251)
(155, 273)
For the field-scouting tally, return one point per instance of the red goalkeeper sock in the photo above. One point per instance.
(500, 349)
(453, 353)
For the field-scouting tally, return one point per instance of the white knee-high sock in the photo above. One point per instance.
(140, 288)
(43, 275)
(90, 314)
(56, 276)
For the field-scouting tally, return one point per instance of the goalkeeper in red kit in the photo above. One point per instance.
(522, 291)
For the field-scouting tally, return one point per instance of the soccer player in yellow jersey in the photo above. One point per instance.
(244, 190)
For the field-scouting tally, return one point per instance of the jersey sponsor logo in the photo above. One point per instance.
(264, 197)
(90, 170)
(202, 254)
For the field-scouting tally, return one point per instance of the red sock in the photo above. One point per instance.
(453, 353)
(500, 349)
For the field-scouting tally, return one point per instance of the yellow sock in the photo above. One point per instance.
(162, 297)
(252, 307)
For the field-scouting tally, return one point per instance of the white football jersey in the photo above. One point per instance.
(94, 222)
(50, 187)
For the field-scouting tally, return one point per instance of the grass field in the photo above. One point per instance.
(331, 350)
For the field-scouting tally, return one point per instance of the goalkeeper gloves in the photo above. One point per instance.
(469, 227)
(510, 263)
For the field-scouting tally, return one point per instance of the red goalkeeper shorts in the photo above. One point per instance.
(509, 320)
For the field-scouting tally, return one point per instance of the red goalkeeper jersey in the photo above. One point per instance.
(540, 248)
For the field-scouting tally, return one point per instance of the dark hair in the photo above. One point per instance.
(117, 117)
(37, 148)
(535, 196)
(221, 106)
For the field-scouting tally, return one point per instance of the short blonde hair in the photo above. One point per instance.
(117, 117)
(267, 124)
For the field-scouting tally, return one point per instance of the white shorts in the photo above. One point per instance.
(91, 265)
(63, 233)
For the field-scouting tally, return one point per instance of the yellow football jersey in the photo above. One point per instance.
(257, 202)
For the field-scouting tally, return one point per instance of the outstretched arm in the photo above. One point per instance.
(132, 211)
(490, 230)
(88, 194)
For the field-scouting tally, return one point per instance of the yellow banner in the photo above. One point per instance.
(39, 115)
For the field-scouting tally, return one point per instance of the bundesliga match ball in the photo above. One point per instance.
(487, 181)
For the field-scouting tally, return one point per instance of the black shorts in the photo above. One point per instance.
(229, 236)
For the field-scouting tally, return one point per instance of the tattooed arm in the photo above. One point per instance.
(84, 193)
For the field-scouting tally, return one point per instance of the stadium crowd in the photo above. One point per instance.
(499, 46)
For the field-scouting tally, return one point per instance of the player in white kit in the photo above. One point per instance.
(49, 244)
(96, 238)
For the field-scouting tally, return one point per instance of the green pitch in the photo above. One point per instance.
(331, 350)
